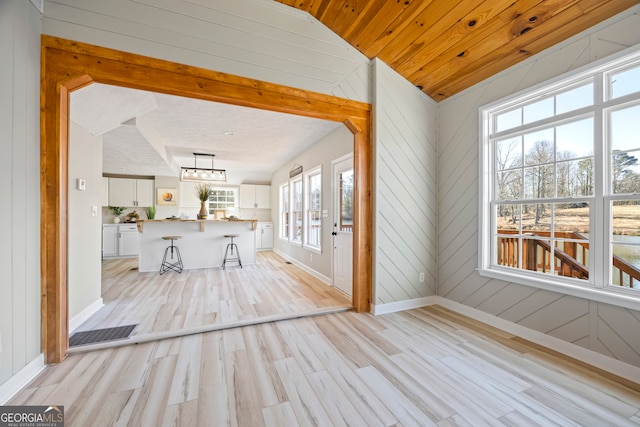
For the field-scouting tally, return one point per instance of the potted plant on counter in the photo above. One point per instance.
(203, 191)
(151, 212)
(116, 211)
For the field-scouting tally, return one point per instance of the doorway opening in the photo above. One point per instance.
(69, 65)
(343, 204)
(127, 290)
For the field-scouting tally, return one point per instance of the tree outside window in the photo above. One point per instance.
(549, 159)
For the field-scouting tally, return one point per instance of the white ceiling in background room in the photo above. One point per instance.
(146, 133)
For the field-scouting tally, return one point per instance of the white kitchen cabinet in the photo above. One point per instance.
(264, 236)
(255, 196)
(144, 192)
(120, 240)
(128, 240)
(263, 196)
(109, 240)
(130, 192)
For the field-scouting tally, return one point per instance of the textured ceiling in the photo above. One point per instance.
(148, 133)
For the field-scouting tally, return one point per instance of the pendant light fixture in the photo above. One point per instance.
(202, 174)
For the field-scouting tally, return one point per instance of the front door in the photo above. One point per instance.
(343, 224)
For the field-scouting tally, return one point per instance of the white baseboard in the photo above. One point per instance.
(81, 317)
(306, 268)
(392, 307)
(606, 363)
(17, 382)
(593, 358)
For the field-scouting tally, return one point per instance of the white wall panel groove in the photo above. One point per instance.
(355, 84)
(617, 332)
(606, 329)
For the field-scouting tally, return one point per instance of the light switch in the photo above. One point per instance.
(81, 184)
(94, 211)
(325, 213)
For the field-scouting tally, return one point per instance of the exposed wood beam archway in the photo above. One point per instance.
(68, 66)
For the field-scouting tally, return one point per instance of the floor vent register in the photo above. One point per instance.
(101, 335)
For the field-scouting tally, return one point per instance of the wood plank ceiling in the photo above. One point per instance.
(446, 46)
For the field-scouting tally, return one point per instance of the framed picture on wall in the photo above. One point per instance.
(166, 197)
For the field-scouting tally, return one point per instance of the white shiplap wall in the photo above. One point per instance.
(259, 39)
(600, 327)
(405, 189)
(20, 24)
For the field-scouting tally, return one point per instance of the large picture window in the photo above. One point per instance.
(560, 182)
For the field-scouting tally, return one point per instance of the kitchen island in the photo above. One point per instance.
(202, 244)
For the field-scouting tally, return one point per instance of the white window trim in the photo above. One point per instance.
(314, 171)
(281, 211)
(292, 227)
(607, 294)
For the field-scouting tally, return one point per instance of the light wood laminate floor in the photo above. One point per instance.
(426, 367)
(206, 299)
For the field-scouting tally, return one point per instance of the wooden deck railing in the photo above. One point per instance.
(570, 260)
(626, 272)
(348, 228)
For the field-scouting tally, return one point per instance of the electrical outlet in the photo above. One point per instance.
(421, 278)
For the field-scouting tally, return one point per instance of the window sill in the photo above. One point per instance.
(622, 297)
